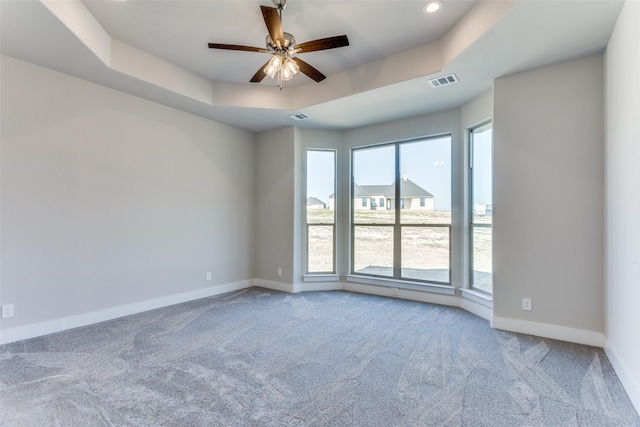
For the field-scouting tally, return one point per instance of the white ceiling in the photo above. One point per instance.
(157, 49)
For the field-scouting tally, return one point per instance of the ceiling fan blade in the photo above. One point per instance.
(323, 44)
(260, 74)
(309, 70)
(236, 47)
(274, 25)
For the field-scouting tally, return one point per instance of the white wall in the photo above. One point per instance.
(275, 204)
(548, 196)
(622, 65)
(110, 200)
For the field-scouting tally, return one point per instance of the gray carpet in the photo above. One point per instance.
(264, 358)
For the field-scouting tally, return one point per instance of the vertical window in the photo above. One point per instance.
(373, 230)
(321, 186)
(426, 230)
(481, 204)
(381, 204)
(410, 238)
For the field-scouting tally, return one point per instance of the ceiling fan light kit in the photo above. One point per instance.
(284, 64)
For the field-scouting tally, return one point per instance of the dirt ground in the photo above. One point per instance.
(424, 252)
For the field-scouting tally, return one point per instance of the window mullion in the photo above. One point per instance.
(397, 231)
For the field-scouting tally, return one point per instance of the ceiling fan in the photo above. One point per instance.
(283, 48)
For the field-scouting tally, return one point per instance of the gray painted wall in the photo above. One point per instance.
(548, 194)
(275, 195)
(109, 200)
(623, 199)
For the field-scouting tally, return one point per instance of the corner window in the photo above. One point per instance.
(321, 228)
(481, 205)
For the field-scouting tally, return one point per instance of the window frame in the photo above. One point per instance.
(335, 210)
(471, 207)
(398, 205)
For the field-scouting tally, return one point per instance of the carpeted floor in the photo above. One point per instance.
(264, 358)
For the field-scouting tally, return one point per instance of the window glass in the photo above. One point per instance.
(481, 203)
(425, 166)
(407, 234)
(321, 171)
(373, 250)
(373, 177)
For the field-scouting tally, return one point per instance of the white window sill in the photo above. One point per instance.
(478, 297)
(403, 284)
(321, 278)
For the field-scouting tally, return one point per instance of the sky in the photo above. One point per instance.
(320, 174)
(427, 162)
(482, 167)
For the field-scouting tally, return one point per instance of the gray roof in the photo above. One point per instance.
(373, 190)
(408, 188)
(313, 201)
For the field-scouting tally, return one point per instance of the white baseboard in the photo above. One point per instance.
(319, 286)
(545, 330)
(275, 286)
(407, 294)
(630, 385)
(476, 308)
(65, 323)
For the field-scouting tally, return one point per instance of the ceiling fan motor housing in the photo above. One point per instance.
(280, 4)
(289, 43)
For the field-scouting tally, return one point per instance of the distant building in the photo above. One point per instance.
(315, 203)
(373, 197)
(479, 209)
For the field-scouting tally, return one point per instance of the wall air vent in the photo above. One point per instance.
(444, 80)
(299, 116)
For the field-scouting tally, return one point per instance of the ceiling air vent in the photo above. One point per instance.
(299, 116)
(444, 80)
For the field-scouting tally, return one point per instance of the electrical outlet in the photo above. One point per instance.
(279, 271)
(526, 304)
(394, 292)
(208, 275)
(7, 311)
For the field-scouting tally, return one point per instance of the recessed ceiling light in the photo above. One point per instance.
(432, 6)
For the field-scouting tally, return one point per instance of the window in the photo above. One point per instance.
(364, 202)
(409, 240)
(381, 204)
(321, 178)
(480, 202)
